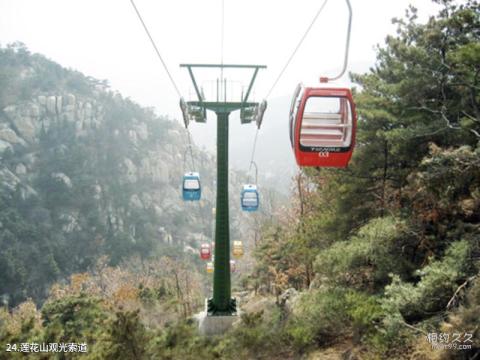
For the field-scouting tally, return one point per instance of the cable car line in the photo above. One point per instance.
(189, 137)
(185, 159)
(256, 173)
(297, 47)
(156, 49)
(253, 150)
(190, 150)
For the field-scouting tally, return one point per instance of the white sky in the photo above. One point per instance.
(105, 39)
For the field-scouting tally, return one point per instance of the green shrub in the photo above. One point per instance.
(320, 316)
(73, 318)
(368, 257)
(181, 340)
(438, 282)
(259, 334)
(365, 314)
(125, 337)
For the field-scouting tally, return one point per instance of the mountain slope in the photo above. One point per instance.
(85, 173)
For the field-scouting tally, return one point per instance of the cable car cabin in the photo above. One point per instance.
(210, 267)
(322, 126)
(233, 268)
(205, 251)
(237, 249)
(249, 198)
(191, 187)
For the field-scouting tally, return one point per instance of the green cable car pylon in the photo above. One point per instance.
(222, 303)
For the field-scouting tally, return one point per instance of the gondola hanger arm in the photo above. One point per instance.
(325, 79)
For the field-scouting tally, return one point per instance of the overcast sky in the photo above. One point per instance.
(104, 39)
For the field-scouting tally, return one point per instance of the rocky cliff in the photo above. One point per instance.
(85, 173)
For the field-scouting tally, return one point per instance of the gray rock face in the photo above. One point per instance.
(154, 169)
(9, 179)
(10, 136)
(34, 111)
(70, 223)
(58, 104)
(132, 135)
(69, 114)
(130, 170)
(165, 236)
(4, 146)
(63, 178)
(87, 110)
(141, 130)
(70, 100)
(146, 200)
(29, 159)
(25, 120)
(25, 127)
(136, 202)
(170, 199)
(288, 298)
(28, 119)
(158, 211)
(27, 192)
(97, 191)
(42, 100)
(21, 169)
(115, 220)
(51, 105)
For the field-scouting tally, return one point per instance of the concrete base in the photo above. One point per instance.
(214, 325)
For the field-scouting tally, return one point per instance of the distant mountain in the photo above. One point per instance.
(85, 173)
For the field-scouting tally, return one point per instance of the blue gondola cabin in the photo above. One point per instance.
(249, 198)
(191, 190)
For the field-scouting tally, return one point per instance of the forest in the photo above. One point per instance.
(380, 260)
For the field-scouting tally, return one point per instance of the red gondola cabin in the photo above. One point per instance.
(322, 126)
(205, 251)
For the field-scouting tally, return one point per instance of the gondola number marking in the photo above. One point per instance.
(323, 154)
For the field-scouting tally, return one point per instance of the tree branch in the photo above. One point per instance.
(414, 328)
(455, 295)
